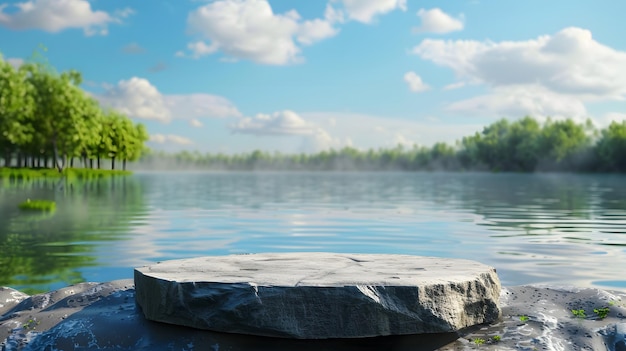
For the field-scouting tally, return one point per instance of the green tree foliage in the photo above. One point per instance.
(16, 110)
(524, 145)
(45, 116)
(611, 148)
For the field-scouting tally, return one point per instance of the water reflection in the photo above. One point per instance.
(567, 229)
(564, 229)
(47, 251)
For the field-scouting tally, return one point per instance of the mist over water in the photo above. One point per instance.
(534, 228)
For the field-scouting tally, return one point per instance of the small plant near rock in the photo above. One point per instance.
(31, 324)
(496, 338)
(479, 341)
(601, 312)
(523, 318)
(38, 205)
(579, 313)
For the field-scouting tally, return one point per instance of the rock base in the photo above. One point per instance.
(92, 316)
(320, 295)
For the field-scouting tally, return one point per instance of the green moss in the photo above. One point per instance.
(523, 318)
(579, 313)
(601, 312)
(38, 205)
(479, 341)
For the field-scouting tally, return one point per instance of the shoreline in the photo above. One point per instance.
(92, 315)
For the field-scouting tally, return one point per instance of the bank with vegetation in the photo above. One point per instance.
(48, 121)
(524, 145)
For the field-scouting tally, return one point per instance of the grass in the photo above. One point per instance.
(38, 205)
(72, 173)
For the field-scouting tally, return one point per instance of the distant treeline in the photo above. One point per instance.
(524, 145)
(47, 120)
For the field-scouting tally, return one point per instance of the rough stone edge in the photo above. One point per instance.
(167, 291)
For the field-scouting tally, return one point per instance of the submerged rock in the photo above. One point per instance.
(320, 295)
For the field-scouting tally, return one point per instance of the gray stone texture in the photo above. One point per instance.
(320, 295)
(104, 316)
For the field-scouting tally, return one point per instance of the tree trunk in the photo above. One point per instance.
(124, 164)
(113, 162)
(98, 161)
(72, 162)
(56, 159)
(7, 158)
(91, 163)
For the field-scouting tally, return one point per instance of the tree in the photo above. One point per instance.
(59, 109)
(611, 148)
(135, 147)
(565, 144)
(16, 110)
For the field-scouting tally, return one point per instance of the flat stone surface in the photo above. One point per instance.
(320, 295)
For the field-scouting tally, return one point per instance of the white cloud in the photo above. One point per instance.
(124, 13)
(437, 21)
(315, 30)
(138, 98)
(618, 117)
(249, 29)
(333, 15)
(321, 140)
(200, 48)
(400, 139)
(288, 124)
(56, 15)
(368, 131)
(200, 105)
(365, 11)
(548, 75)
(454, 86)
(415, 82)
(570, 62)
(280, 123)
(15, 62)
(519, 101)
(170, 138)
(195, 123)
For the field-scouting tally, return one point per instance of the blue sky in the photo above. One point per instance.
(303, 76)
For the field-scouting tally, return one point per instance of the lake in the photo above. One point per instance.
(558, 229)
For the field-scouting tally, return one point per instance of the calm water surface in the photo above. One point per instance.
(557, 229)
